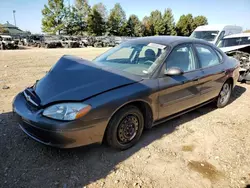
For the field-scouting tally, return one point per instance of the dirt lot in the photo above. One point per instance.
(208, 147)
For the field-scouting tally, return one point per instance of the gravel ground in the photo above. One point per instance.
(208, 147)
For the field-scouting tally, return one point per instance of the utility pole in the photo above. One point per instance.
(14, 12)
(69, 3)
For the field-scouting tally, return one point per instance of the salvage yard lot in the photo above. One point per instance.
(208, 147)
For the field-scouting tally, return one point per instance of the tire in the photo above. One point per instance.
(46, 46)
(117, 128)
(224, 95)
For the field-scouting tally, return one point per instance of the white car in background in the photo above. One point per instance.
(214, 33)
(238, 46)
(233, 42)
(7, 42)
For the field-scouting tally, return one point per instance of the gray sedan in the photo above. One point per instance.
(132, 87)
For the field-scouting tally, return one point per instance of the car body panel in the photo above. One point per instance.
(232, 48)
(211, 82)
(178, 93)
(81, 79)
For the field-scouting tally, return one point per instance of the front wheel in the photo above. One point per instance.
(125, 128)
(224, 95)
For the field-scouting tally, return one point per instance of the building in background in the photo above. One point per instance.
(13, 30)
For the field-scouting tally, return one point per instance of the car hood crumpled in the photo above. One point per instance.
(76, 79)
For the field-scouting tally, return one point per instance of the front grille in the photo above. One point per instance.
(31, 97)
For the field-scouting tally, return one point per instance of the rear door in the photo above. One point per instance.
(213, 71)
(181, 92)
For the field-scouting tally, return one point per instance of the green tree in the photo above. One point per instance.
(81, 10)
(3, 30)
(198, 21)
(72, 22)
(117, 20)
(148, 29)
(168, 21)
(184, 26)
(96, 23)
(53, 17)
(134, 26)
(101, 8)
(157, 22)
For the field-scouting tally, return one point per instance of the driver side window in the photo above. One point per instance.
(183, 58)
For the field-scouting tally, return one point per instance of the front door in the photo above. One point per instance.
(178, 93)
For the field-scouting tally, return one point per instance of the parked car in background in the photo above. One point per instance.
(230, 42)
(238, 46)
(134, 86)
(70, 42)
(7, 42)
(84, 42)
(34, 40)
(51, 41)
(214, 33)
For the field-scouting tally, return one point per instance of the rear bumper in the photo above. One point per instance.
(56, 133)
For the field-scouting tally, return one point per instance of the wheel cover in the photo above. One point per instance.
(128, 129)
(225, 93)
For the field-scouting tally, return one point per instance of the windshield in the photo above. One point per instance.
(137, 59)
(205, 35)
(234, 41)
(7, 39)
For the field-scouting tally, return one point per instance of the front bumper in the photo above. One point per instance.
(56, 133)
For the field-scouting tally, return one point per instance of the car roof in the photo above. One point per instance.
(5, 36)
(215, 27)
(165, 40)
(237, 35)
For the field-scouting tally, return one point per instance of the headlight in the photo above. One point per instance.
(66, 111)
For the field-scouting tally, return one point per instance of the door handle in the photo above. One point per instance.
(196, 79)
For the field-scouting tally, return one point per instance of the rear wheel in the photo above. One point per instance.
(125, 128)
(224, 95)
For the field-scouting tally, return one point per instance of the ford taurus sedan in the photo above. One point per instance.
(132, 87)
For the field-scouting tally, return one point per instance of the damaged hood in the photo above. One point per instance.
(75, 79)
(233, 48)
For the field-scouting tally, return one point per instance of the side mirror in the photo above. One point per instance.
(173, 71)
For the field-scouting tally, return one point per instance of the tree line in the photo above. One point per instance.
(2, 29)
(81, 18)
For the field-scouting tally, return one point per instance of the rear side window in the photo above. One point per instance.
(207, 56)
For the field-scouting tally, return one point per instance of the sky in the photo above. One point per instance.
(236, 12)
